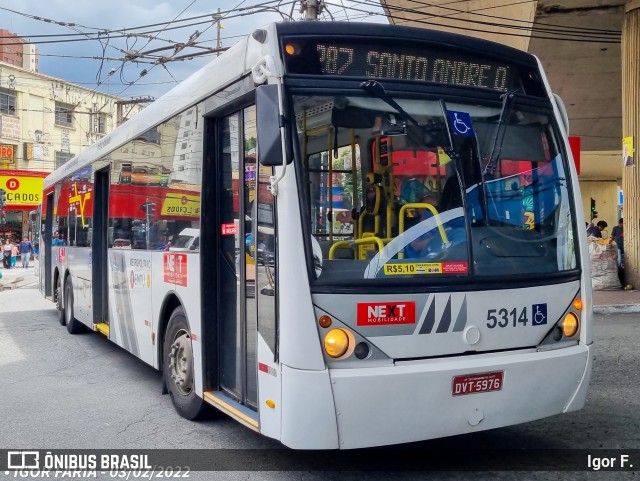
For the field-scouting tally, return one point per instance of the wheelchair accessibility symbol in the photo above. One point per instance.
(460, 123)
(539, 314)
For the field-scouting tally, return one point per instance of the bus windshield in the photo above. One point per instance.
(431, 188)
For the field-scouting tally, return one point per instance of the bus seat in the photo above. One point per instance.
(339, 253)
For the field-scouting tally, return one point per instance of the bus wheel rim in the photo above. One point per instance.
(181, 362)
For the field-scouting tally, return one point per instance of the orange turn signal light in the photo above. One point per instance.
(324, 321)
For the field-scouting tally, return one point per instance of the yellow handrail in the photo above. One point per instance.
(349, 243)
(429, 207)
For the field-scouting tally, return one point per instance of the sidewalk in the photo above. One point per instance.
(616, 301)
(19, 277)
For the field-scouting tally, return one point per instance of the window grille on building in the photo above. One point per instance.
(99, 123)
(7, 103)
(62, 157)
(64, 114)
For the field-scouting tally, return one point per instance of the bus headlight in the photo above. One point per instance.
(570, 325)
(336, 342)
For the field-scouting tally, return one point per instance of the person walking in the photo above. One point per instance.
(14, 253)
(6, 254)
(25, 248)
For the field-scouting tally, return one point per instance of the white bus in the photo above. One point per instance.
(390, 238)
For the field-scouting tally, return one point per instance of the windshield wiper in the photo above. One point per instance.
(496, 148)
(376, 89)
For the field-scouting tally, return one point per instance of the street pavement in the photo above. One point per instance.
(616, 301)
(18, 277)
(79, 391)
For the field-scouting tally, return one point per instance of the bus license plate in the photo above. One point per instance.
(475, 383)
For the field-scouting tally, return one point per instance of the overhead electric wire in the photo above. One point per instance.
(106, 35)
(129, 35)
(559, 28)
(569, 37)
(262, 5)
(346, 13)
(145, 71)
(569, 33)
(529, 1)
(537, 29)
(445, 6)
(102, 31)
(565, 30)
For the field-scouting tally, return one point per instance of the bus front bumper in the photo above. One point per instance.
(413, 400)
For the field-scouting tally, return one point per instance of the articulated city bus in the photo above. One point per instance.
(389, 238)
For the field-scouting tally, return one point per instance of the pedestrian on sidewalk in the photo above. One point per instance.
(26, 248)
(14, 253)
(617, 234)
(6, 254)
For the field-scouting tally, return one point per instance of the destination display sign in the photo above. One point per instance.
(418, 63)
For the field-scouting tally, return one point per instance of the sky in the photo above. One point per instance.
(77, 42)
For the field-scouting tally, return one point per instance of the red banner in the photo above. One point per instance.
(175, 269)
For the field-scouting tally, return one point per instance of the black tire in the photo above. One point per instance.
(73, 325)
(61, 315)
(177, 362)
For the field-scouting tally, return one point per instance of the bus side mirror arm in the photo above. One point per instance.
(271, 121)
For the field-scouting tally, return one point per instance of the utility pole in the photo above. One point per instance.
(631, 128)
(120, 114)
(219, 27)
(311, 9)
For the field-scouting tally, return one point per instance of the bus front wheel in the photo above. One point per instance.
(178, 367)
(73, 325)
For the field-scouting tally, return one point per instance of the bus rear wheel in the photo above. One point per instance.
(61, 315)
(178, 367)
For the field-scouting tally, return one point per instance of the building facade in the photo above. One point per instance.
(44, 122)
(17, 51)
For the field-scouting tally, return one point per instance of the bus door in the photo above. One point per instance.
(236, 180)
(99, 257)
(44, 249)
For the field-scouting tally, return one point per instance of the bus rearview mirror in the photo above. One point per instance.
(268, 118)
(269, 138)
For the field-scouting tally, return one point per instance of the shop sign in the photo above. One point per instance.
(22, 190)
(7, 153)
